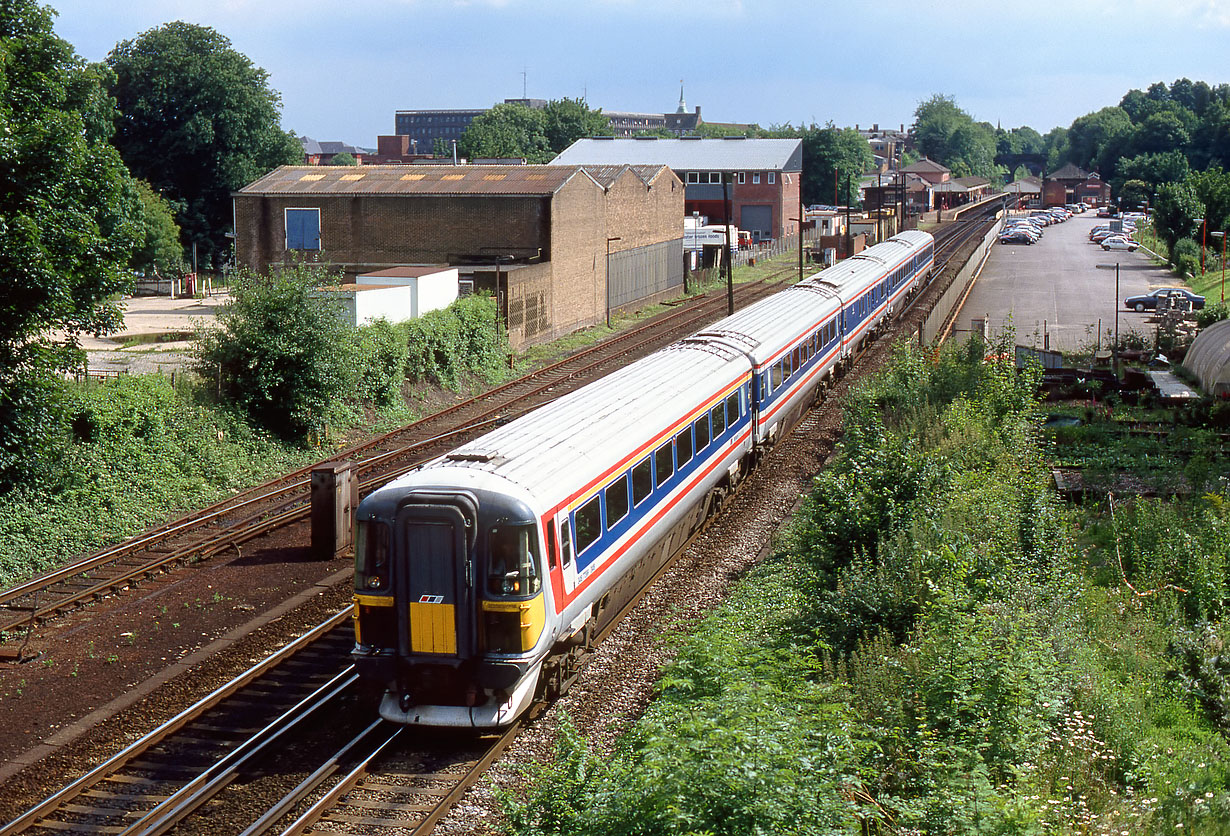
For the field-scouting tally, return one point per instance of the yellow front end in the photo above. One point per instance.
(514, 626)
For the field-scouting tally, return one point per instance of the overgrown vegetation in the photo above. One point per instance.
(939, 646)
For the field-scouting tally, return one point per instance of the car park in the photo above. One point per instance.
(1150, 301)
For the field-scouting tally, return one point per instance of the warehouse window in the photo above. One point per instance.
(693, 177)
(771, 176)
(303, 229)
(742, 177)
(756, 178)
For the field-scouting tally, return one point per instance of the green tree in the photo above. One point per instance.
(950, 136)
(197, 120)
(568, 120)
(280, 353)
(68, 213)
(158, 250)
(507, 130)
(1177, 207)
(833, 160)
(1097, 140)
(343, 159)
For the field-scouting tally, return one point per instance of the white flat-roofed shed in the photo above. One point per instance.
(398, 294)
(432, 287)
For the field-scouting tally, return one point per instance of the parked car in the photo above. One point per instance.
(1016, 237)
(1104, 212)
(1119, 242)
(1148, 301)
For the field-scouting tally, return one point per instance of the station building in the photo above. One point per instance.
(560, 246)
(1072, 184)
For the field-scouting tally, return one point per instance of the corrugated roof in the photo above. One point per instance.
(733, 154)
(418, 179)
(608, 174)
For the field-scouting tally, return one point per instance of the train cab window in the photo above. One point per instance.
(589, 524)
(565, 543)
(718, 416)
(663, 465)
(372, 545)
(775, 377)
(683, 447)
(642, 481)
(702, 432)
(512, 567)
(732, 409)
(616, 501)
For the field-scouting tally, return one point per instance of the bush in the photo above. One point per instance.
(281, 354)
(445, 344)
(1185, 257)
(380, 363)
(1212, 312)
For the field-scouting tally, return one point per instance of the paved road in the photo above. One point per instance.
(1053, 292)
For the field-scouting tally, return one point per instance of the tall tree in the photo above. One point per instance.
(67, 223)
(950, 136)
(508, 130)
(567, 120)
(197, 120)
(833, 161)
(158, 250)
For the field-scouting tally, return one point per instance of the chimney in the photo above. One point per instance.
(875, 127)
(856, 126)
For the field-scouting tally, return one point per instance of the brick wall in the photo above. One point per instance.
(368, 232)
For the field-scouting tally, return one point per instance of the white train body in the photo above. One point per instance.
(478, 569)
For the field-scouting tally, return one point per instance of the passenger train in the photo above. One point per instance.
(483, 576)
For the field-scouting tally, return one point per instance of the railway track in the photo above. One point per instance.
(162, 778)
(228, 525)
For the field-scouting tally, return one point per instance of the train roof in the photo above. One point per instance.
(766, 327)
(585, 434)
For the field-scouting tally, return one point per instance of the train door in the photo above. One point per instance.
(435, 540)
(567, 557)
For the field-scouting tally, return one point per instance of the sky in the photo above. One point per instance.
(343, 71)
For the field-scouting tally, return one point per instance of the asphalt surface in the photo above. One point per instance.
(1053, 293)
(155, 334)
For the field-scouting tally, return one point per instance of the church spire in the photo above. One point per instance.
(683, 106)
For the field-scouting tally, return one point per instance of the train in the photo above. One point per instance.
(483, 577)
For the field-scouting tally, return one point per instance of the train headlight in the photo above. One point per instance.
(375, 582)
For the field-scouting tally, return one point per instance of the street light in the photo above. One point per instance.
(1203, 239)
(1222, 236)
(608, 278)
(1114, 349)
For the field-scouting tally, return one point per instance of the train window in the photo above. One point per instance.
(663, 465)
(775, 377)
(373, 545)
(589, 524)
(718, 416)
(551, 548)
(565, 543)
(616, 501)
(795, 360)
(683, 447)
(702, 432)
(512, 568)
(642, 481)
(732, 409)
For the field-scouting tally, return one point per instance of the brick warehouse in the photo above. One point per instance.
(547, 227)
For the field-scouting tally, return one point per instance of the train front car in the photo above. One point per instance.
(448, 599)
(486, 572)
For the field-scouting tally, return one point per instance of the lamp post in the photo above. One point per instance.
(1222, 236)
(1114, 349)
(608, 278)
(1202, 239)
